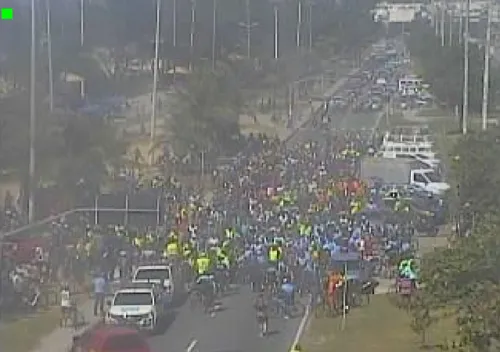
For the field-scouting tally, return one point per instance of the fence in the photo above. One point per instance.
(111, 209)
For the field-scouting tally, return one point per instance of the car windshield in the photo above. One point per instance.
(120, 343)
(152, 274)
(432, 176)
(133, 299)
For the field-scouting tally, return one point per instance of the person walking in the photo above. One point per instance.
(99, 293)
(66, 306)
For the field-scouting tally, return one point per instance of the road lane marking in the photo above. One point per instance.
(191, 346)
(302, 326)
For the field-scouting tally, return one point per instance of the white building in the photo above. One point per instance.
(398, 12)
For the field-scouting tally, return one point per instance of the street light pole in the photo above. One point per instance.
(49, 53)
(461, 22)
(174, 34)
(32, 134)
(465, 103)
(155, 79)
(310, 26)
(443, 13)
(451, 13)
(486, 74)
(82, 22)
(191, 33)
(299, 23)
(214, 32)
(276, 32)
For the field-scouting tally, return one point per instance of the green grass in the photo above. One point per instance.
(378, 327)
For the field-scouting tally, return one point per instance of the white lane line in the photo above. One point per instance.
(302, 326)
(191, 346)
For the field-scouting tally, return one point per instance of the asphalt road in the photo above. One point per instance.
(357, 121)
(233, 328)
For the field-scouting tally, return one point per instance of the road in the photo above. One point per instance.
(232, 329)
(357, 121)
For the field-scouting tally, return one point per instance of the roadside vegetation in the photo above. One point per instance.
(118, 41)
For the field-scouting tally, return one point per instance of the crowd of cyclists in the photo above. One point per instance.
(281, 220)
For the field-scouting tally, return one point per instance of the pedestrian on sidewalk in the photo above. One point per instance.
(99, 293)
(66, 306)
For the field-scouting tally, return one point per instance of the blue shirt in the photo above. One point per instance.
(288, 288)
(99, 285)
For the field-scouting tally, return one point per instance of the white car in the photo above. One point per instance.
(142, 306)
(159, 274)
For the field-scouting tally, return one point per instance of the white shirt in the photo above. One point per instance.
(65, 299)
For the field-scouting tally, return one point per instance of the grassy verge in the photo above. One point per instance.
(378, 327)
(23, 334)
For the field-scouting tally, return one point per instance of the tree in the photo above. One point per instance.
(442, 67)
(206, 115)
(463, 280)
(477, 172)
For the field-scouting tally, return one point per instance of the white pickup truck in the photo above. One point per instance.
(400, 171)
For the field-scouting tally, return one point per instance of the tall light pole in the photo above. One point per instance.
(276, 31)
(461, 23)
(191, 33)
(465, 103)
(299, 23)
(310, 22)
(486, 74)
(451, 16)
(174, 33)
(82, 21)
(32, 134)
(214, 32)
(248, 25)
(155, 79)
(49, 53)
(443, 17)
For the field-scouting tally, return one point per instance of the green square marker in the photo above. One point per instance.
(7, 14)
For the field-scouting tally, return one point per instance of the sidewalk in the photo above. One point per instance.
(61, 339)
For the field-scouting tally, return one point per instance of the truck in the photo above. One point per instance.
(402, 171)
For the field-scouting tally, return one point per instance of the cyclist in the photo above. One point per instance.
(262, 316)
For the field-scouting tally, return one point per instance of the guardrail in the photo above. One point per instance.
(40, 225)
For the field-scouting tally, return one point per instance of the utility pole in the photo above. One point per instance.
(214, 32)
(276, 32)
(249, 29)
(461, 22)
(299, 23)
(82, 21)
(486, 73)
(155, 79)
(248, 26)
(310, 25)
(452, 14)
(32, 134)
(435, 18)
(191, 33)
(443, 17)
(465, 103)
(174, 35)
(49, 53)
